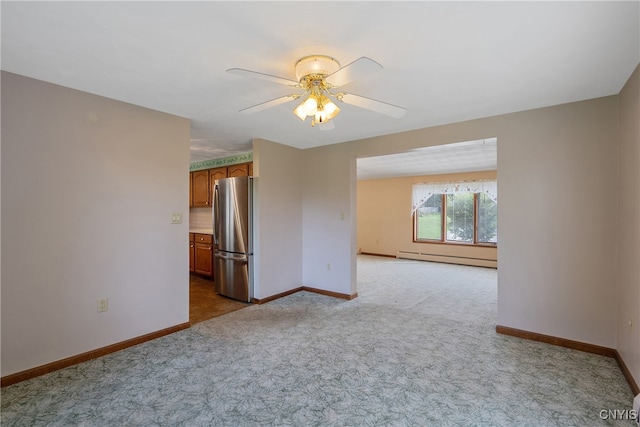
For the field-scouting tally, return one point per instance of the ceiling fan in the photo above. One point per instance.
(320, 79)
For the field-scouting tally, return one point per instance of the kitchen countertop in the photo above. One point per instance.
(201, 230)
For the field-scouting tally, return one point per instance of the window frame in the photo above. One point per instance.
(443, 239)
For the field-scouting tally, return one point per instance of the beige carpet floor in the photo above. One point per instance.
(417, 348)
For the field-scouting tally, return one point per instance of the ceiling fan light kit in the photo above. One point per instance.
(319, 76)
(311, 72)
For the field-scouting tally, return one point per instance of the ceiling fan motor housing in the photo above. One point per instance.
(320, 65)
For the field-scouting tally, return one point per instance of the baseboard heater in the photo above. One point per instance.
(451, 259)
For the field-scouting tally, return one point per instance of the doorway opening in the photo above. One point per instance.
(393, 222)
(205, 303)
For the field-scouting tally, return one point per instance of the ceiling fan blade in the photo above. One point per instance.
(373, 105)
(359, 68)
(269, 104)
(262, 76)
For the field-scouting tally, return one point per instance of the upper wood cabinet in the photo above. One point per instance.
(217, 173)
(201, 182)
(238, 170)
(200, 189)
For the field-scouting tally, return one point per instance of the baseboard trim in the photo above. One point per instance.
(276, 296)
(93, 354)
(304, 288)
(561, 342)
(627, 374)
(443, 256)
(445, 259)
(448, 259)
(374, 254)
(330, 293)
(575, 345)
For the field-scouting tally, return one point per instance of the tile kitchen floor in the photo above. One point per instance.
(205, 304)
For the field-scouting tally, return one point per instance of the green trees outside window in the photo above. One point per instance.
(487, 230)
(470, 218)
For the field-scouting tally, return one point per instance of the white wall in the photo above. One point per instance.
(88, 188)
(277, 170)
(329, 224)
(629, 226)
(556, 184)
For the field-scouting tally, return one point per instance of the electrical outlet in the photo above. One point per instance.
(328, 266)
(103, 305)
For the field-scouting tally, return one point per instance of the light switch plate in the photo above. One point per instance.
(103, 305)
(176, 218)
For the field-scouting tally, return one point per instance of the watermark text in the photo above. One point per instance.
(618, 414)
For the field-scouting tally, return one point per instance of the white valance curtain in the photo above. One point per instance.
(421, 192)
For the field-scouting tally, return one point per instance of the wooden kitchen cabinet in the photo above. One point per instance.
(190, 189)
(203, 254)
(192, 252)
(238, 170)
(217, 173)
(200, 189)
(201, 182)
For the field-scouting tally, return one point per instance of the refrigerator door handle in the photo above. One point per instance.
(235, 257)
(216, 214)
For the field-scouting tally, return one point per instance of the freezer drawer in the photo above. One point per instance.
(233, 275)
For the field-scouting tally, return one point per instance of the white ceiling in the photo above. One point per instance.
(443, 61)
(468, 156)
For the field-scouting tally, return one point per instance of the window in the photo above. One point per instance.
(429, 216)
(487, 220)
(459, 217)
(456, 213)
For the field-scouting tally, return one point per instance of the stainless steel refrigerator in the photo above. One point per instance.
(233, 237)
